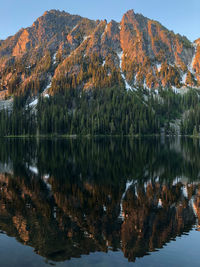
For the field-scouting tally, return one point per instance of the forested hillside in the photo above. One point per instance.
(110, 111)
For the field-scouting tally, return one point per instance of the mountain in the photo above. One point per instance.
(61, 51)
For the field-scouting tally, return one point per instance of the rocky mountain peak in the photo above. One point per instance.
(129, 14)
(197, 42)
(141, 51)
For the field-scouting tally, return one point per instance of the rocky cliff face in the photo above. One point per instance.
(61, 51)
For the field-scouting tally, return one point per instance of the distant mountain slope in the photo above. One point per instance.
(61, 51)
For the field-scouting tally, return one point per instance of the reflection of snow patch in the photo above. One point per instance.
(46, 176)
(33, 169)
(128, 185)
(185, 191)
(191, 202)
(49, 186)
(146, 184)
(176, 181)
(136, 193)
(160, 203)
(45, 179)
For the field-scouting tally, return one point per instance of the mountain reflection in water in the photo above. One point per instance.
(67, 198)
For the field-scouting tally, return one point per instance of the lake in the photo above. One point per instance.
(100, 202)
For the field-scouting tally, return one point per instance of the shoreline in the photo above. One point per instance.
(76, 136)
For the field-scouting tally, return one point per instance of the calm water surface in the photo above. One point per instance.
(103, 202)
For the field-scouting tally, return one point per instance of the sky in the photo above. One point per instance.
(181, 16)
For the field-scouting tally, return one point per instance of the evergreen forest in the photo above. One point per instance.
(110, 111)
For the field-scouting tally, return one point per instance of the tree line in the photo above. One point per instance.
(109, 111)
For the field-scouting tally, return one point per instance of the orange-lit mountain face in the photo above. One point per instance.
(61, 51)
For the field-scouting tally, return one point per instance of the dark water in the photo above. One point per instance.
(104, 202)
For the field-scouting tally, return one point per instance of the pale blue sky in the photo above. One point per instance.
(181, 16)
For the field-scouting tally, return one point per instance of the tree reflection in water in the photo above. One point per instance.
(66, 198)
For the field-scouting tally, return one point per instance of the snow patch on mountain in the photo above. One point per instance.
(182, 90)
(54, 58)
(190, 66)
(33, 103)
(85, 38)
(105, 30)
(128, 87)
(45, 92)
(158, 66)
(176, 90)
(74, 27)
(184, 78)
(145, 85)
(6, 104)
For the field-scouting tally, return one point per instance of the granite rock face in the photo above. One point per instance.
(61, 46)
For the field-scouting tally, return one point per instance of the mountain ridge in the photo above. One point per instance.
(76, 52)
